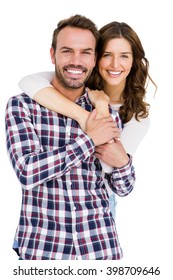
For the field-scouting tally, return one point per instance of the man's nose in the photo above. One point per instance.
(75, 59)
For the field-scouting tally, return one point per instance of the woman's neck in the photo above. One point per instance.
(115, 93)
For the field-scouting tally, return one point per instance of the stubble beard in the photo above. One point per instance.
(71, 83)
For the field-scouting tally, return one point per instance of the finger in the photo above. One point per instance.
(111, 141)
(87, 89)
(117, 139)
(92, 115)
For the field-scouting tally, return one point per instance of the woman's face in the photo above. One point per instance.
(116, 62)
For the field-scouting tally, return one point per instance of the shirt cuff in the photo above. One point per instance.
(124, 170)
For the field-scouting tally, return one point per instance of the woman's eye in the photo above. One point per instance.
(124, 56)
(106, 54)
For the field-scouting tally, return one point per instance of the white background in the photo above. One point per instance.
(144, 218)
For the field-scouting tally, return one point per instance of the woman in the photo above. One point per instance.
(121, 72)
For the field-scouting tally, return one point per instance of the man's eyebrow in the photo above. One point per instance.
(68, 48)
(89, 49)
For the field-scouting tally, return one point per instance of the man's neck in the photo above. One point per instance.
(70, 93)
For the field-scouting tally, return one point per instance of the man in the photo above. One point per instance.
(65, 211)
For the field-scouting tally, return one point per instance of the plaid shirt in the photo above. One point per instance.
(65, 209)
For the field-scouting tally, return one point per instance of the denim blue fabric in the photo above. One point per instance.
(113, 202)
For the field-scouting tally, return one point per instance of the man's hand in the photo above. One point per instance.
(113, 154)
(101, 130)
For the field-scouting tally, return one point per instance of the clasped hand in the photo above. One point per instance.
(101, 130)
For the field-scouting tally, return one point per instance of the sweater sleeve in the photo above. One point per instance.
(133, 133)
(31, 84)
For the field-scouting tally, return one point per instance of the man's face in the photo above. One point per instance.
(74, 58)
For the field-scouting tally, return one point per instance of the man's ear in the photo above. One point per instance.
(52, 55)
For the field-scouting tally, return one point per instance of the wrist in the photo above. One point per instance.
(123, 161)
(102, 107)
(82, 119)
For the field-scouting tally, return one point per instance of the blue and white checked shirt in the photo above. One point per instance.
(65, 210)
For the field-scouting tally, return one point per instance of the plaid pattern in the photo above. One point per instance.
(65, 209)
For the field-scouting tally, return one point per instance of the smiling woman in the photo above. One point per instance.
(114, 67)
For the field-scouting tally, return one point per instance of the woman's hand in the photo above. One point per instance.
(100, 101)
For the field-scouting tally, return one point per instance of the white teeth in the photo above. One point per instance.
(114, 72)
(74, 71)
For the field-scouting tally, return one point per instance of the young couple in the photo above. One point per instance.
(60, 158)
(121, 72)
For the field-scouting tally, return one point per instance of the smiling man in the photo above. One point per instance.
(74, 62)
(65, 211)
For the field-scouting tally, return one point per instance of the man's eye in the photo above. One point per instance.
(66, 51)
(85, 52)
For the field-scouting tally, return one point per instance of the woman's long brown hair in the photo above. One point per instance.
(136, 83)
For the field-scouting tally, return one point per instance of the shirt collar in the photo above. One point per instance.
(84, 98)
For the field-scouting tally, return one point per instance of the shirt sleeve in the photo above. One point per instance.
(133, 133)
(31, 84)
(122, 180)
(32, 165)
